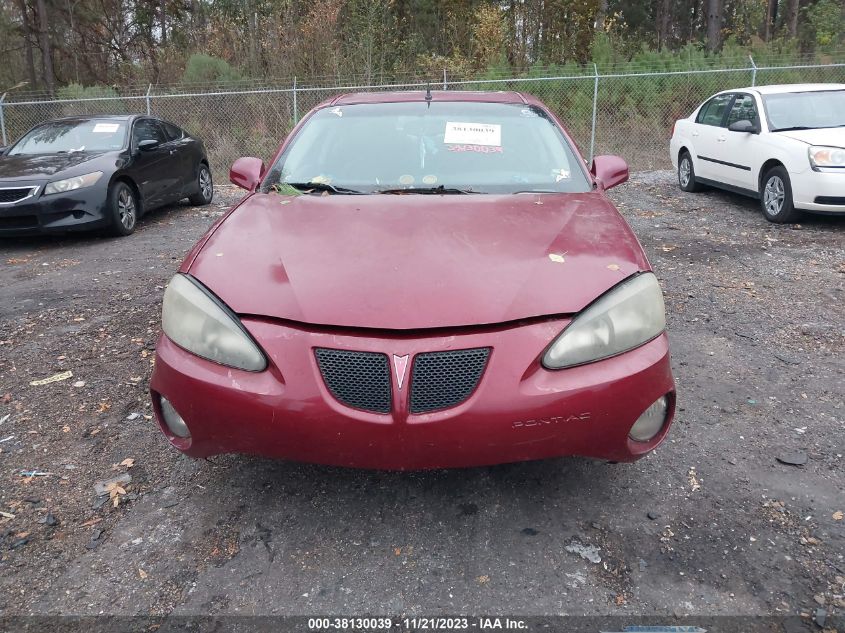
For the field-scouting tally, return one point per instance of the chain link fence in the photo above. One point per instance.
(625, 113)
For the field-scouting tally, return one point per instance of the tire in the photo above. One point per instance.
(776, 197)
(124, 209)
(205, 187)
(686, 173)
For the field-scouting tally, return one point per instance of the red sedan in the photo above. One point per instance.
(418, 280)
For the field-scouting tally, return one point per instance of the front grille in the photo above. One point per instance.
(837, 200)
(357, 379)
(9, 196)
(440, 380)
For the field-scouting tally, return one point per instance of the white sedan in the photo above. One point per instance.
(784, 145)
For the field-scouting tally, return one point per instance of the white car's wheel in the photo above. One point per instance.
(686, 173)
(776, 197)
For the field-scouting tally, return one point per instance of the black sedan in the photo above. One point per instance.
(82, 173)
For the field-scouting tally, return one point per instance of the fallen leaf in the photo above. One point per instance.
(556, 258)
(115, 490)
(397, 551)
(613, 266)
(837, 516)
(54, 378)
(482, 580)
(693, 480)
(129, 462)
(142, 573)
(104, 406)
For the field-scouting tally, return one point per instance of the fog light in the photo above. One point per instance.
(651, 421)
(173, 420)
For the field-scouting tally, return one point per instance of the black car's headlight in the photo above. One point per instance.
(629, 315)
(197, 321)
(71, 184)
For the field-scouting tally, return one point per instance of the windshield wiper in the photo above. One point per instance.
(440, 189)
(320, 186)
(794, 128)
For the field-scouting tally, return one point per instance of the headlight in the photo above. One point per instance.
(821, 156)
(196, 321)
(626, 317)
(70, 184)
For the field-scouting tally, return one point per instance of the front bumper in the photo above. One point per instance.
(519, 411)
(817, 191)
(79, 210)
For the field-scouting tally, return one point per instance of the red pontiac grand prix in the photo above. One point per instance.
(418, 280)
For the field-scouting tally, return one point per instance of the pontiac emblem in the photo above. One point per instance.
(400, 365)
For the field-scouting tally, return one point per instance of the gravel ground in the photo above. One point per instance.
(711, 523)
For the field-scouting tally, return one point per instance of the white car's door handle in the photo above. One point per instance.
(721, 139)
(695, 133)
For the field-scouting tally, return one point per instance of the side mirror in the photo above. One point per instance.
(246, 172)
(3, 150)
(609, 170)
(147, 144)
(743, 126)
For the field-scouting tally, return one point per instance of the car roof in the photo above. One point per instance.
(784, 88)
(404, 96)
(92, 117)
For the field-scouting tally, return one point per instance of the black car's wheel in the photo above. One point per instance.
(776, 197)
(205, 187)
(123, 205)
(686, 173)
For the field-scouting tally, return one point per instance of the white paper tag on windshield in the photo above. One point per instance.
(106, 128)
(473, 133)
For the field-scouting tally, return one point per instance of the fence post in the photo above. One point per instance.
(753, 71)
(595, 107)
(445, 87)
(295, 106)
(149, 88)
(3, 120)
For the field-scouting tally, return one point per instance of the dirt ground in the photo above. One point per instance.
(712, 523)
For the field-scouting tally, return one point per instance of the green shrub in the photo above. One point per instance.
(206, 69)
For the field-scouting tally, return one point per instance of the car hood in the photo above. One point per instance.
(821, 136)
(417, 261)
(35, 166)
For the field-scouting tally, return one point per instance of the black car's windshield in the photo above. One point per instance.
(73, 136)
(437, 147)
(805, 110)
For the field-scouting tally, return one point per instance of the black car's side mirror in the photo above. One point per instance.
(744, 126)
(3, 150)
(147, 144)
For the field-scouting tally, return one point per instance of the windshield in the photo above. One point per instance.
(73, 136)
(439, 147)
(790, 110)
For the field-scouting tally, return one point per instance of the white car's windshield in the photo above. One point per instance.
(73, 136)
(438, 147)
(805, 110)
